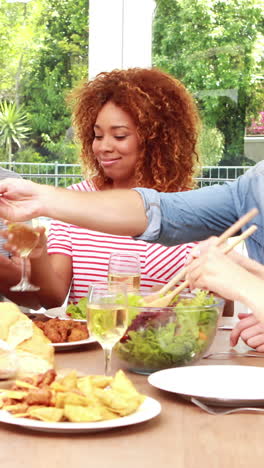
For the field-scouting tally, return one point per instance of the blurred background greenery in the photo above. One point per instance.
(215, 47)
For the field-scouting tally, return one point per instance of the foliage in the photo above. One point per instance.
(29, 154)
(13, 126)
(61, 63)
(64, 150)
(43, 54)
(21, 38)
(211, 146)
(212, 46)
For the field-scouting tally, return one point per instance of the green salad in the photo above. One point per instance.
(78, 311)
(168, 337)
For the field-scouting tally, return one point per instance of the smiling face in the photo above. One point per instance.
(116, 145)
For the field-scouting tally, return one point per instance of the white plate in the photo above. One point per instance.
(60, 312)
(226, 385)
(72, 344)
(148, 410)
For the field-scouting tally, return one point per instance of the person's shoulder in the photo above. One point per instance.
(256, 170)
(5, 173)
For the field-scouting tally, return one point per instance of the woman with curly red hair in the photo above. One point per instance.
(165, 119)
(137, 127)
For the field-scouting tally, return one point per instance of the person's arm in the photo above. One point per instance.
(250, 265)
(114, 211)
(167, 218)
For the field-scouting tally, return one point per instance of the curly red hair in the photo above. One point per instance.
(166, 120)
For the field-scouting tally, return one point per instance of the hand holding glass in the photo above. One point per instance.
(107, 316)
(124, 267)
(24, 239)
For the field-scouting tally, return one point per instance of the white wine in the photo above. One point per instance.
(131, 281)
(107, 323)
(24, 238)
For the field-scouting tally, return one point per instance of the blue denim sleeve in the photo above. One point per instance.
(151, 200)
(180, 217)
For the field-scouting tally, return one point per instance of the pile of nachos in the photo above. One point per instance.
(91, 398)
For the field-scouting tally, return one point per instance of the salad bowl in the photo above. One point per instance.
(177, 335)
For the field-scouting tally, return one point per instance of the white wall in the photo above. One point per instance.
(120, 34)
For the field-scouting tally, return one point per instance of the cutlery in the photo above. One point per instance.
(211, 355)
(216, 410)
(226, 327)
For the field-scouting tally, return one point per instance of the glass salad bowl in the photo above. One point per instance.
(178, 335)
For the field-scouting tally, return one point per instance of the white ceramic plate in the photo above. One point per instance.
(60, 312)
(220, 385)
(148, 410)
(72, 344)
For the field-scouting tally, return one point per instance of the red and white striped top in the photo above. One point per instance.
(90, 251)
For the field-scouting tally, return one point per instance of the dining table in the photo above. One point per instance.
(182, 435)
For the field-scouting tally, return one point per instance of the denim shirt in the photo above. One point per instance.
(176, 218)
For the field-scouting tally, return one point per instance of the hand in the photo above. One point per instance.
(20, 199)
(38, 249)
(250, 330)
(214, 271)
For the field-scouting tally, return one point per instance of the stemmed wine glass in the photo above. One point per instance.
(124, 267)
(24, 239)
(107, 316)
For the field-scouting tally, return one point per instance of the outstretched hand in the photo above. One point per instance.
(20, 200)
(39, 248)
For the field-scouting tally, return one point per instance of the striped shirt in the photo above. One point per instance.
(4, 173)
(90, 251)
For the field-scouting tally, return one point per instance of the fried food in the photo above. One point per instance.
(63, 331)
(72, 398)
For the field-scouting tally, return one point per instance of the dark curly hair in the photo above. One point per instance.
(166, 120)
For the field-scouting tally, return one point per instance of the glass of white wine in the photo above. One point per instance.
(107, 316)
(24, 239)
(124, 267)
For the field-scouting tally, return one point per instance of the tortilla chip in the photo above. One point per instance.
(122, 384)
(84, 384)
(21, 415)
(18, 408)
(101, 381)
(59, 400)
(108, 414)
(46, 413)
(83, 413)
(23, 384)
(71, 398)
(15, 394)
(69, 382)
(118, 403)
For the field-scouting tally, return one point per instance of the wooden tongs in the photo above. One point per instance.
(156, 301)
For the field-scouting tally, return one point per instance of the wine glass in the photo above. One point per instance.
(24, 239)
(124, 267)
(107, 316)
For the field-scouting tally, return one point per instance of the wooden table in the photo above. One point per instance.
(182, 436)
